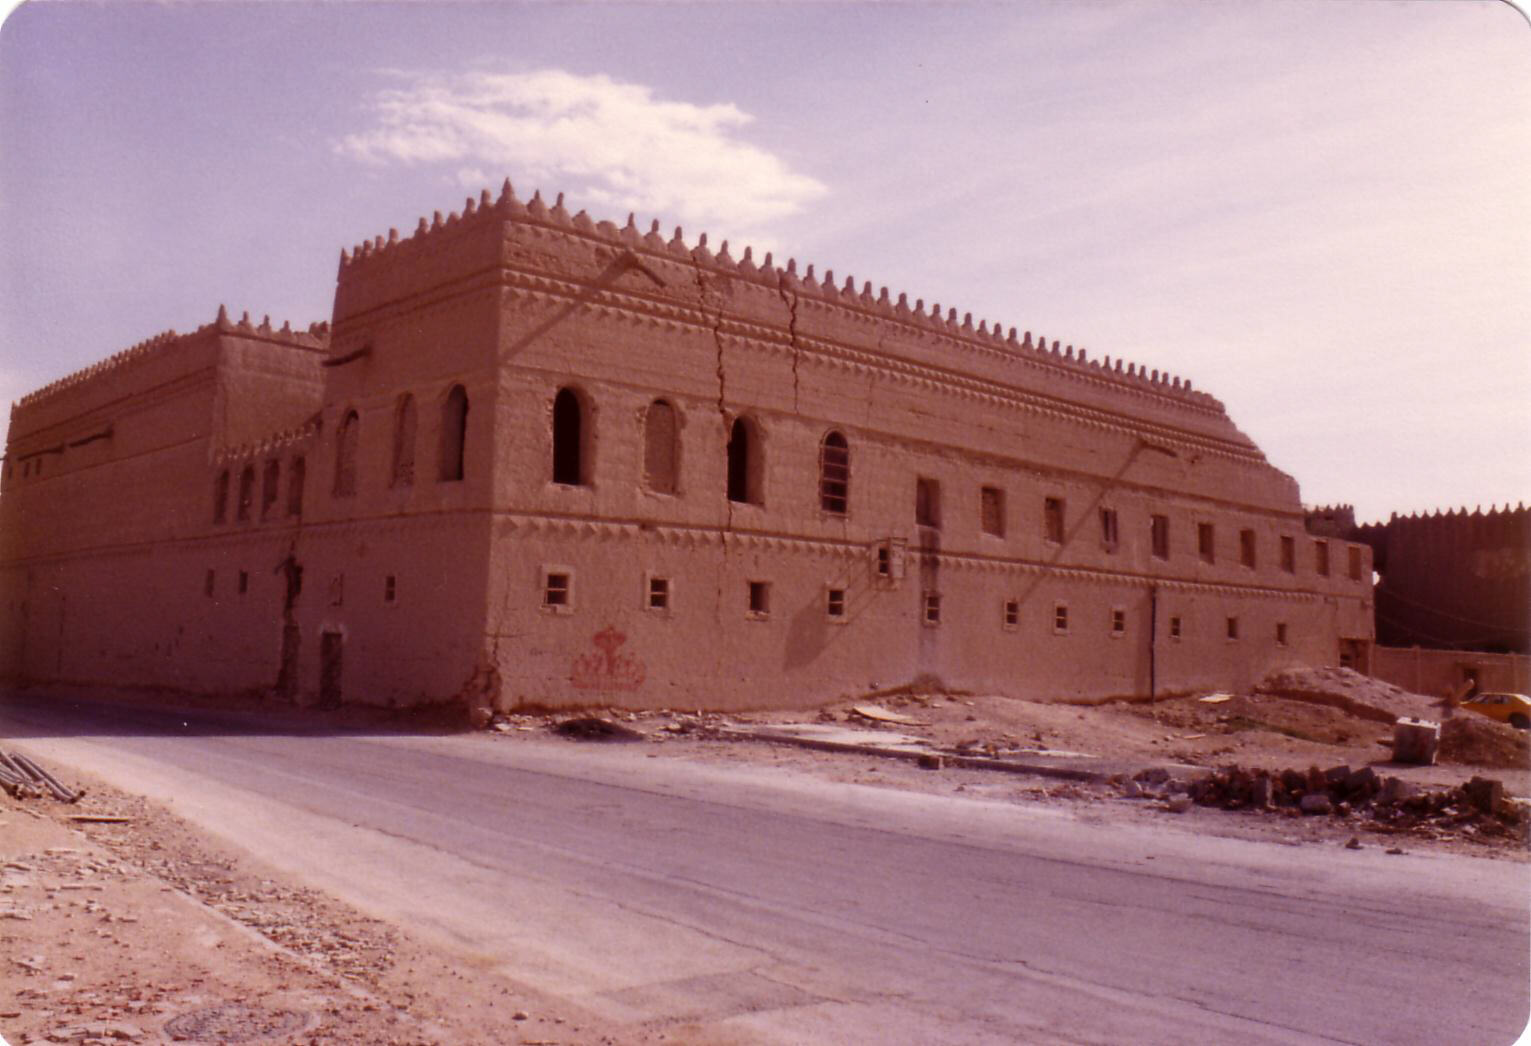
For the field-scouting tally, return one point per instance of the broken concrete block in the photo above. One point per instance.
(1416, 741)
(1260, 792)
(1485, 794)
(1178, 805)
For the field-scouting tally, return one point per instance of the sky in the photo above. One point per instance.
(1316, 210)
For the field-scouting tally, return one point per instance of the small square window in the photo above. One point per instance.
(992, 510)
(834, 603)
(659, 593)
(1118, 622)
(1052, 520)
(244, 582)
(1159, 527)
(208, 581)
(1012, 616)
(1233, 628)
(760, 598)
(1060, 618)
(1175, 627)
(390, 589)
(1289, 554)
(1108, 529)
(1281, 633)
(1206, 542)
(932, 609)
(557, 590)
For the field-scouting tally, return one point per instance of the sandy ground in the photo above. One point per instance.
(147, 930)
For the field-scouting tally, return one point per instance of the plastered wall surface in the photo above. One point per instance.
(553, 461)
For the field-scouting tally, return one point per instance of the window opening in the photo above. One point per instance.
(834, 603)
(1052, 520)
(405, 424)
(568, 432)
(1108, 529)
(743, 463)
(1233, 628)
(1175, 627)
(244, 582)
(270, 487)
(659, 593)
(932, 609)
(1060, 617)
(760, 598)
(834, 473)
(1281, 633)
(556, 590)
(1355, 563)
(454, 435)
(660, 446)
(1206, 542)
(927, 502)
(295, 487)
(1118, 622)
(390, 589)
(345, 455)
(1247, 548)
(1159, 527)
(1289, 554)
(1012, 613)
(220, 497)
(209, 580)
(992, 510)
(246, 493)
(1321, 557)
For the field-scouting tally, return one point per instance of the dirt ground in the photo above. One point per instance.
(147, 930)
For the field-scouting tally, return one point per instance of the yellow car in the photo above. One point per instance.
(1514, 709)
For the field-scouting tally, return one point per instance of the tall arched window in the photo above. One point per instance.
(246, 493)
(454, 434)
(220, 497)
(404, 425)
(834, 473)
(345, 455)
(744, 464)
(568, 436)
(660, 448)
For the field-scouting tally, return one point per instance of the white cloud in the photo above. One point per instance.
(614, 146)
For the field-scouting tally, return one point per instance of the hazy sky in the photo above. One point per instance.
(1320, 212)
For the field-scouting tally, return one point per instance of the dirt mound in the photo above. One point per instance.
(1476, 741)
(1343, 688)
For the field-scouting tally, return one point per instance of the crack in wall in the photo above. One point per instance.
(789, 298)
(717, 340)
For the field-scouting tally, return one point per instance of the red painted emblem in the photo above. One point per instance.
(606, 669)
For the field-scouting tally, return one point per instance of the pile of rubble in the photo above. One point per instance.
(1478, 808)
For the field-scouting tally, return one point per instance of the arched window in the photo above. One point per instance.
(220, 497)
(744, 466)
(404, 425)
(660, 448)
(834, 473)
(345, 455)
(454, 434)
(568, 436)
(246, 493)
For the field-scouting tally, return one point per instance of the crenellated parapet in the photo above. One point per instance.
(382, 257)
(316, 337)
(1334, 521)
(278, 444)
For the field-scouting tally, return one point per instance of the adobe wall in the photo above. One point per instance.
(621, 319)
(1442, 672)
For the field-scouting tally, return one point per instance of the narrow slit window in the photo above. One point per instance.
(1355, 562)
(246, 493)
(220, 496)
(1321, 558)
(1247, 548)
(451, 459)
(927, 502)
(270, 487)
(209, 582)
(1289, 554)
(405, 426)
(244, 582)
(295, 476)
(1109, 535)
(1206, 542)
(1233, 628)
(390, 589)
(345, 455)
(1281, 633)
(568, 436)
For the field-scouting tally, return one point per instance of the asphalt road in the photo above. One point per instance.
(765, 905)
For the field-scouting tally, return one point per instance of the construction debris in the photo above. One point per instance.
(21, 778)
(878, 714)
(1416, 741)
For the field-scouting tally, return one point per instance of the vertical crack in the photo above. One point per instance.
(789, 298)
(717, 341)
